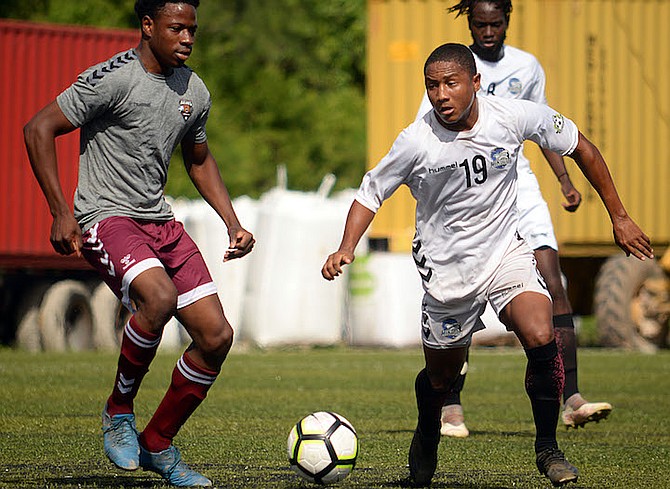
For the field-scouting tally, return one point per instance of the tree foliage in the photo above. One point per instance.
(287, 80)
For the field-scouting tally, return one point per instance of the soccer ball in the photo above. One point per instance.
(323, 447)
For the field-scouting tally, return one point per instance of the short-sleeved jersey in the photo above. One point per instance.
(465, 188)
(131, 122)
(517, 75)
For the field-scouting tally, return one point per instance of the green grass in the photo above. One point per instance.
(50, 427)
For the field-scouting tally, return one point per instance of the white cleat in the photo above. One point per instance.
(455, 431)
(587, 413)
(453, 422)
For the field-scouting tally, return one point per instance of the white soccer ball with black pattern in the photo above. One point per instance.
(323, 447)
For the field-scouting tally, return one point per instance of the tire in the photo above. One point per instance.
(630, 301)
(28, 336)
(66, 319)
(109, 318)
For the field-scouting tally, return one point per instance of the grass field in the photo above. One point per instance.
(50, 425)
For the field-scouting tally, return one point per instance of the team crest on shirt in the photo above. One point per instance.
(451, 328)
(185, 108)
(559, 122)
(514, 86)
(500, 158)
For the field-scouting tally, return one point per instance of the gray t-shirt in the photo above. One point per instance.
(131, 122)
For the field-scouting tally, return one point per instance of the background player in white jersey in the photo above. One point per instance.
(133, 111)
(460, 164)
(512, 73)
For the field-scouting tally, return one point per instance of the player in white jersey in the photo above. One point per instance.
(512, 73)
(460, 164)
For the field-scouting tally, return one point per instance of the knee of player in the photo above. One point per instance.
(538, 337)
(441, 383)
(219, 341)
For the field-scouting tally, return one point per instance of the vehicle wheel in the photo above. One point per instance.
(28, 335)
(66, 319)
(630, 304)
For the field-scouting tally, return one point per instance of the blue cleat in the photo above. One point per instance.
(169, 464)
(120, 439)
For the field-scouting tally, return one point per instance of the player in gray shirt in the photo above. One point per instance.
(133, 110)
(131, 122)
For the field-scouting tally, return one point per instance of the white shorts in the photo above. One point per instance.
(451, 325)
(534, 220)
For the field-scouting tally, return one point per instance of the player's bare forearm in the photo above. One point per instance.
(557, 163)
(204, 172)
(40, 139)
(358, 221)
(627, 235)
(592, 164)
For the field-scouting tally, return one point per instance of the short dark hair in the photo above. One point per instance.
(465, 7)
(455, 52)
(153, 7)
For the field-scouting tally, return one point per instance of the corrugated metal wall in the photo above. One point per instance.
(38, 62)
(607, 64)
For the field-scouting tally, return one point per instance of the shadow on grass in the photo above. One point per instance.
(456, 481)
(474, 433)
(436, 484)
(520, 434)
(102, 481)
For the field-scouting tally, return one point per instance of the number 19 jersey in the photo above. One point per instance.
(465, 188)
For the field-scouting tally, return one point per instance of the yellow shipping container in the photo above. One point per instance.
(607, 64)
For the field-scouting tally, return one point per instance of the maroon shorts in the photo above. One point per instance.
(121, 248)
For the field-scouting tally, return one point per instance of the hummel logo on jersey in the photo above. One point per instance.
(508, 290)
(127, 260)
(185, 108)
(125, 385)
(559, 122)
(440, 169)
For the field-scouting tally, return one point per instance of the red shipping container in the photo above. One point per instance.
(38, 62)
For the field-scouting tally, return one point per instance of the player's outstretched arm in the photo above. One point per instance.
(204, 172)
(627, 235)
(40, 138)
(572, 196)
(358, 221)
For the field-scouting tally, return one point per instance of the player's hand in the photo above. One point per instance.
(572, 196)
(66, 235)
(241, 243)
(333, 266)
(630, 238)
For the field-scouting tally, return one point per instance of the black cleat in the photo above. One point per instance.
(551, 462)
(422, 459)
